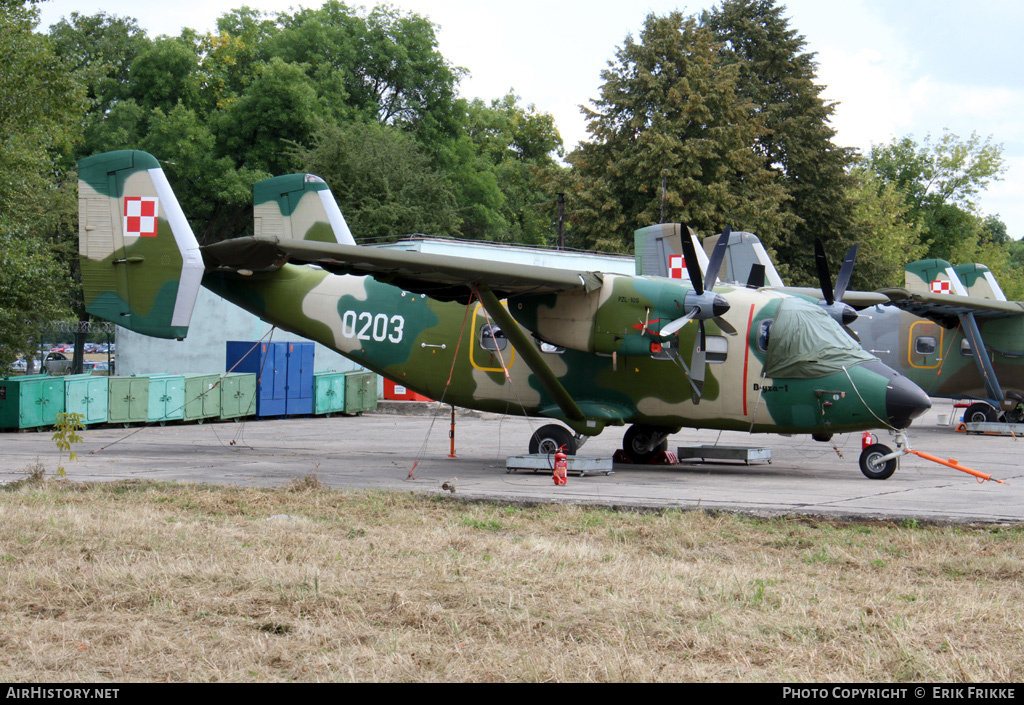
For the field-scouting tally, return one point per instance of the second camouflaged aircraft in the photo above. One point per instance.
(585, 348)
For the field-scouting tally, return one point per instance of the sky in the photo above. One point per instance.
(894, 67)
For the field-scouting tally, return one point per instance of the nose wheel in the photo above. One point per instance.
(877, 462)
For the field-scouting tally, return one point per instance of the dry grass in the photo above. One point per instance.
(165, 582)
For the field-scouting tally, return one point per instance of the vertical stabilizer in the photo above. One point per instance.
(933, 276)
(978, 280)
(299, 207)
(659, 251)
(141, 265)
(743, 255)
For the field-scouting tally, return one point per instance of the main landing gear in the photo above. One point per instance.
(547, 440)
(641, 443)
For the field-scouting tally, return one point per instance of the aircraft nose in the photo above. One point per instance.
(904, 401)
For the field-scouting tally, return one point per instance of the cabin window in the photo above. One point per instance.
(718, 349)
(551, 349)
(925, 345)
(965, 348)
(491, 338)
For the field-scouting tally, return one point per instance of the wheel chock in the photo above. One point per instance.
(664, 457)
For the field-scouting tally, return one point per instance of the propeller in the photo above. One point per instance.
(833, 301)
(701, 303)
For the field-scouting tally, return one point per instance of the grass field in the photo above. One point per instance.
(130, 581)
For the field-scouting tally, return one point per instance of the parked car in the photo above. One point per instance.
(19, 365)
(56, 363)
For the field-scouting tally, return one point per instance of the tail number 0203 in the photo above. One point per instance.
(366, 326)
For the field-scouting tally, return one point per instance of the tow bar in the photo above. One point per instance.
(878, 461)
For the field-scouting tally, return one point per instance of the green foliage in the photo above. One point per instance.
(65, 436)
(382, 180)
(777, 76)
(42, 104)
(880, 224)
(939, 183)
(670, 108)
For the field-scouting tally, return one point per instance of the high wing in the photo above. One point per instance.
(857, 299)
(946, 309)
(443, 277)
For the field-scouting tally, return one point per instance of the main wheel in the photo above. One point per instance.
(980, 413)
(546, 440)
(641, 443)
(871, 463)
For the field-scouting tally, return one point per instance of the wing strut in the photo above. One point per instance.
(530, 354)
(988, 373)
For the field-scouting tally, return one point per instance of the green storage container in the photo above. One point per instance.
(360, 392)
(202, 397)
(329, 393)
(128, 399)
(238, 395)
(166, 398)
(30, 401)
(86, 395)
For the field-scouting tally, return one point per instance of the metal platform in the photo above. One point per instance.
(577, 464)
(716, 454)
(993, 428)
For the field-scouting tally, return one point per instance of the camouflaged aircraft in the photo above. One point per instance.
(587, 349)
(933, 328)
(928, 329)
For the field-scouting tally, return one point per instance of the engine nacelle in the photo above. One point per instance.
(623, 316)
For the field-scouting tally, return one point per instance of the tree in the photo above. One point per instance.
(43, 103)
(512, 149)
(886, 236)
(939, 182)
(669, 108)
(382, 180)
(778, 77)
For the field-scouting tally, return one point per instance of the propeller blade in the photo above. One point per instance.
(716, 259)
(692, 264)
(698, 364)
(695, 392)
(845, 272)
(756, 278)
(724, 325)
(674, 326)
(824, 275)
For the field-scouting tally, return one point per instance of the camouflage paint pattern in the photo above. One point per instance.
(937, 358)
(141, 272)
(597, 345)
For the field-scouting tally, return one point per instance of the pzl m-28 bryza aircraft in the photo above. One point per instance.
(584, 348)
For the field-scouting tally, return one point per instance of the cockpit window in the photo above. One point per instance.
(764, 331)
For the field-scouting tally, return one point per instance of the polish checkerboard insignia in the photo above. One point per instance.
(939, 286)
(140, 213)
(676, 266)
